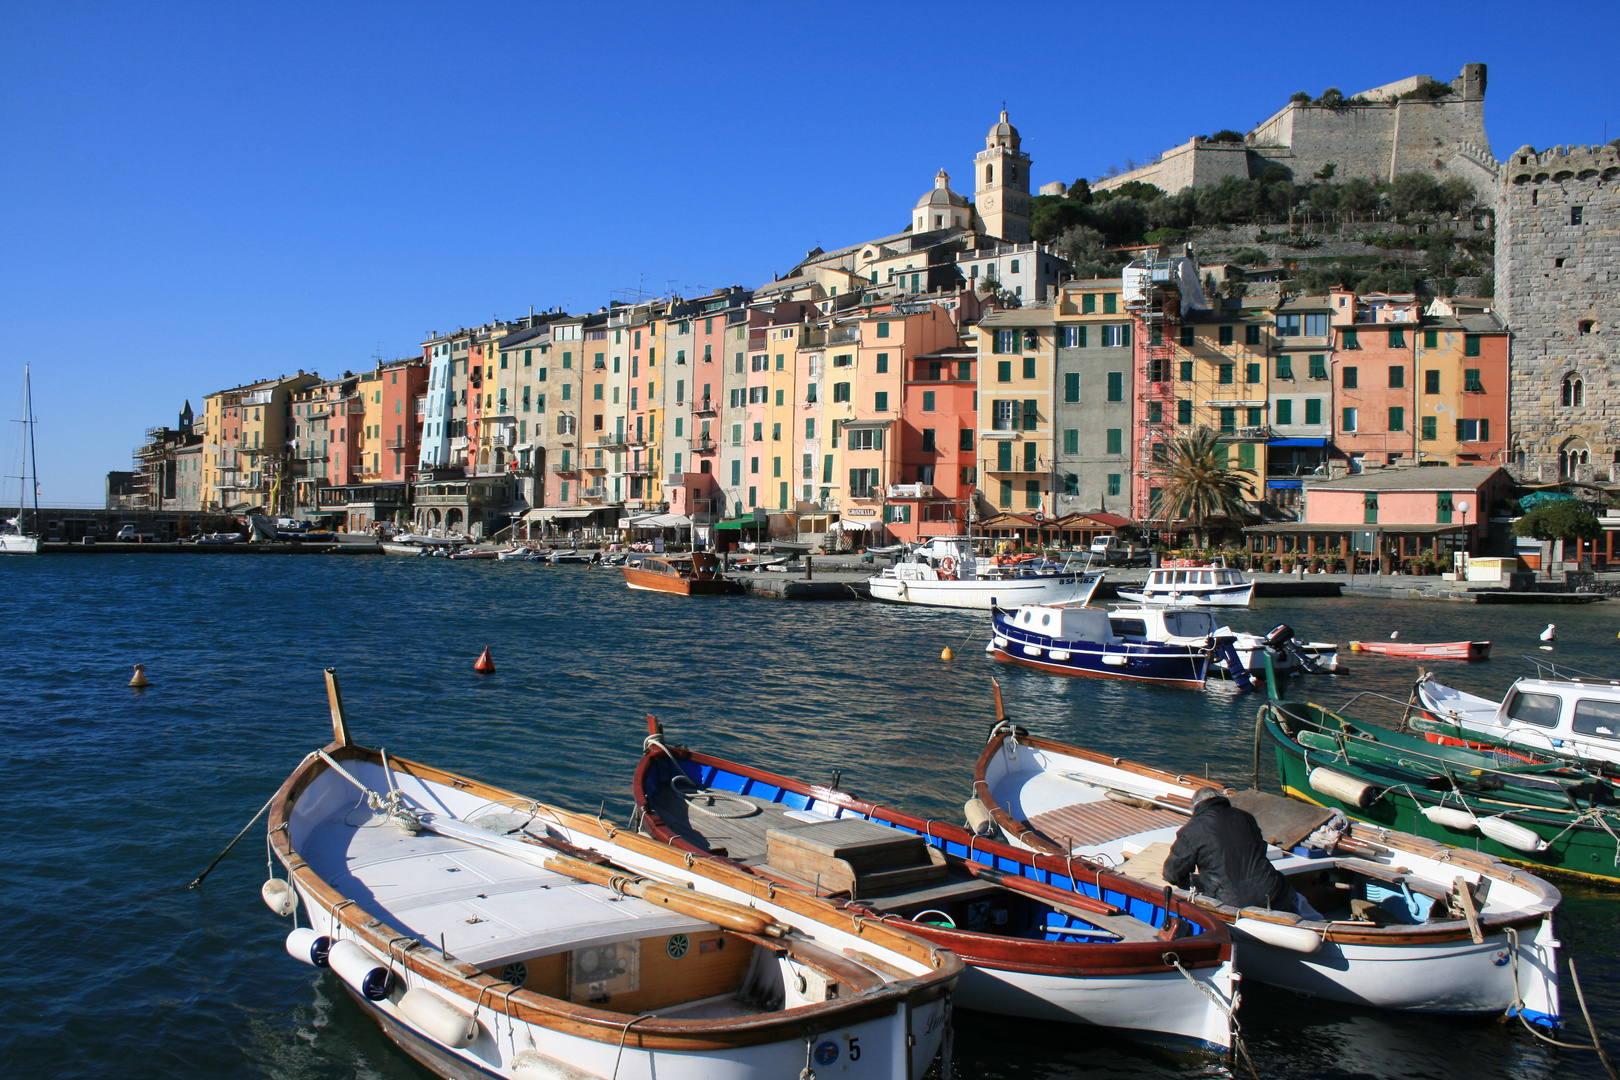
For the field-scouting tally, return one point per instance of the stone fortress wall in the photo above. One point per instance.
(1374, 141)
(1558, 290)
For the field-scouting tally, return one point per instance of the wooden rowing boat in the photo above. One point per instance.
(697, 574)
(1410, 924)
(1441, 650)
(1044, 937)
(492, 935)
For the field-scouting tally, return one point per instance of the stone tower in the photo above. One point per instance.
(1558, 290)
(1001, 184)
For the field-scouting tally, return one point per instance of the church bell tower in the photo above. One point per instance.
(1001, 184)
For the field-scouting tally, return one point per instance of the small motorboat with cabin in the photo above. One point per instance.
(518, 553)
(575, 557)
(1041, 940)
(1071, 639)
(697, 574)
(1172, 626)
(946, 572)
(474, 554)
(1413, 650)
(1409, 924)
(489, 934)
(1191, 583)
(1562, 712)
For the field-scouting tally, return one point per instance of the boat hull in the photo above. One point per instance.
(647, 581)
(1215, 596)
(983, 595)
(13, 544)
(1445, 650)
(1172, 665)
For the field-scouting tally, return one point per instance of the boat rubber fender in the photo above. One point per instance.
(306, 945)
(1450, 817)
(1346, 789)
(1512, 835)
(438, 1019)
(279, 896)
(979, 821)
(360, 970)
(1298, 939)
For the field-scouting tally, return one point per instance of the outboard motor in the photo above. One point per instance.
(1277, 635)
(1225, 649)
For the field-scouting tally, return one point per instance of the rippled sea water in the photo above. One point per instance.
(117, 798)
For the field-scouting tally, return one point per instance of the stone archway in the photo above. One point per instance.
(1572, 456)
(452, 519)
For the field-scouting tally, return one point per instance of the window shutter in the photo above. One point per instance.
(1484, 431)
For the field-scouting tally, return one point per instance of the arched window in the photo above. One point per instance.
(989, 174)
(1574, 391)
(1012, 174)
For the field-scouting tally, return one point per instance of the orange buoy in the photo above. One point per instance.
(138, 681)
(485, 662)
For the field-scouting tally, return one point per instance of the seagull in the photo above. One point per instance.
(1393, 634)
(1551, 633)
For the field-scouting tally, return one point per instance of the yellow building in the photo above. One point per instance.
(245, 452)
(1017, 365)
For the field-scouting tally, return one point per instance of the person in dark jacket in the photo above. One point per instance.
(1222, 853)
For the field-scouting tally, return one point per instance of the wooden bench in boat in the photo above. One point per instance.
(1092, 824)
(852, 855)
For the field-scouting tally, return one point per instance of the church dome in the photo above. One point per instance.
(1002, 133)
(941, 194)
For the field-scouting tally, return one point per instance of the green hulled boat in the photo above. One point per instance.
(1547, 815)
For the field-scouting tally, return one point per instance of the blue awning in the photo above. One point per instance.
(1283, 484)
(1297, 442)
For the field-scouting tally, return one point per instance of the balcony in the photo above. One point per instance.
(565, 469)
(640, 469)
(611, 442)
(1254, 432)
(706, 408)
(913, 491)
(1020, 468)
(704, 446)
(599, 492)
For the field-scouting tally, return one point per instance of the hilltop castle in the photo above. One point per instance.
(1412, 125)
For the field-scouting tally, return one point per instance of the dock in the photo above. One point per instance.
(173, 547)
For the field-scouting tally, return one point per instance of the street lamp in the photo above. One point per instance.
(1463, 507)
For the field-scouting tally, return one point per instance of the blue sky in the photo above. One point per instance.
(198, 195)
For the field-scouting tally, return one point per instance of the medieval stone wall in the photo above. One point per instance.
(1558, 289)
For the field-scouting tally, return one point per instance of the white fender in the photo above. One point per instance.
(1514, 836)
(1347, 789)
(1059, 654)
(978, 817)
(999, 642)
(438, 1019)
(360, 970)
(1032, 650)
(1114, 660)
(279, 896)
(306, 945)
(1450, 817)
(1293, 938)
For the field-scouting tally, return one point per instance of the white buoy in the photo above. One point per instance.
(306, 945)
(1293, 938)
(1551, 633)
(279, 896)
(978, 817)
(1346, 789)
(439, 1020)
(360, 970)
(1514, 836)
(1450, 817)
(1393, 634)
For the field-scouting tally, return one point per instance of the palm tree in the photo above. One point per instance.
(1198, 486)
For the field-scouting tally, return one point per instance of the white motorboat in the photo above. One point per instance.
(1409, 924)
(491, 935)
(946, 572)
(1193, 585)
(15, 537)
(1562, 712)
(1163, 625)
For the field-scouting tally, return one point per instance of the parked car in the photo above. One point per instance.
(130, 534)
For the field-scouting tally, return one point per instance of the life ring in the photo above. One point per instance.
(947, 569)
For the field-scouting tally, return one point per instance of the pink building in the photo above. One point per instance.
(938, 445)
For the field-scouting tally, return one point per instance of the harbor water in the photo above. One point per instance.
(117, 798)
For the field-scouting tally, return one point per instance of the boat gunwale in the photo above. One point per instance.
(468, 982)
(1194, 952)
(1454, 930)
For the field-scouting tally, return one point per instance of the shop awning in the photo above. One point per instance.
(742, 523)
(550, 513)
(1298, 442)
(848, 526)
(661, 521)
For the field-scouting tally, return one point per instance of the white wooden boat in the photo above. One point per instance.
(15, 537)
(1410, 924)
(1561, 713)
(945, 572)
(1195, 585)
(491, 935)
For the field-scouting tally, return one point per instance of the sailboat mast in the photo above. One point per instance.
(33, 453)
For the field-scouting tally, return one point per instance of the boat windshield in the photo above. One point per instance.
(1128, 627)
(1538, 709)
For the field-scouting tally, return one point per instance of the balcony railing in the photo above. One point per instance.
(598, 492)
(705, 408)
(1020, 467)
(610, 440)
(565, 469)
(704, 446)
